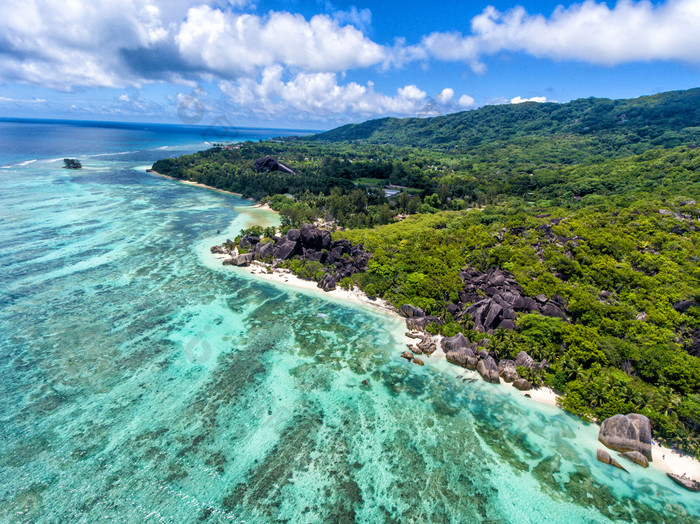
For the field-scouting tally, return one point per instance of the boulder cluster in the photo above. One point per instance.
(604, 456)
(426, 345)
(471, 355)
(416, 318)
(339, 258)
(626, 433)
(493, 298)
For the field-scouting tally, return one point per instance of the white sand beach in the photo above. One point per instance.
(671, 461)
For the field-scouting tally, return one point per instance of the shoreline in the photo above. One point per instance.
(257, 204)
(664, 459)
(284, 276)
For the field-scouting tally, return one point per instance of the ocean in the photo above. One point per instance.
(144, 382)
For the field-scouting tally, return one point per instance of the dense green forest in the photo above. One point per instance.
(594, 201)
(618, 126)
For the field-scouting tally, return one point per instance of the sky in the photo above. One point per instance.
(317, 64)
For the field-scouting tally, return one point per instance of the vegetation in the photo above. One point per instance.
(594, 201)
(598, 126)
(71, 163)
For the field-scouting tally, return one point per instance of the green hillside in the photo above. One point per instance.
(663, 120)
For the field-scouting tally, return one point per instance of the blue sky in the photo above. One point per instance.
(316, 64)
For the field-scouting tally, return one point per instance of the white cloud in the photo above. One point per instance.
(62, 44)
(360, 18)
(446, 95)
(319, 95)
(520, 100)
(466, 101)
(591, 32)
(231, 44)
(19, 101)
(126, 43)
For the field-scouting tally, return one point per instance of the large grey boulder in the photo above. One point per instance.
(462, 356)
(507, 324)
(627, 433)
(427, 345)
(327, 282)
(524, 360)
(325, 239)
(455, 342)
(240, 260)
(286, 250)
(552, 310)
(248, 240)
(267, 164)
(264, 249)
(488, 370)
(409, 311)
(507, 371)
(311, 237)
(636, 457)
(522, 384)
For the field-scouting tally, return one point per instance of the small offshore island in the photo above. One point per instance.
(546, 245)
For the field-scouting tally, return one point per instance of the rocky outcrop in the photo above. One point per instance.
(686, 482)
(458, 341)
(507, 371)
(636, 457)
(239, 260)
(267, 164)
(327, 282)
(462, 356)
(693, 345)
(605, 457)
(264, 250)
(627, 433)
(492, 300)
(217, 250)
(428, 345)
(488, 370)
(522, 359)
(416, 319)
(420, 323)
(409, 311)
(339, 258)
(248, 240)
(522, 384)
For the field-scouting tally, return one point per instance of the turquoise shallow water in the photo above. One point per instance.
(144, 382)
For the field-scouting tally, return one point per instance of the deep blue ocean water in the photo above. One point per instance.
(144, 382)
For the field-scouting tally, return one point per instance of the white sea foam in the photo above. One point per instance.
(18, 164)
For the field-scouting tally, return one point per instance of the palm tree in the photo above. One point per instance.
(573, 370)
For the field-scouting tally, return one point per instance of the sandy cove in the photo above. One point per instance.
(664, 459)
